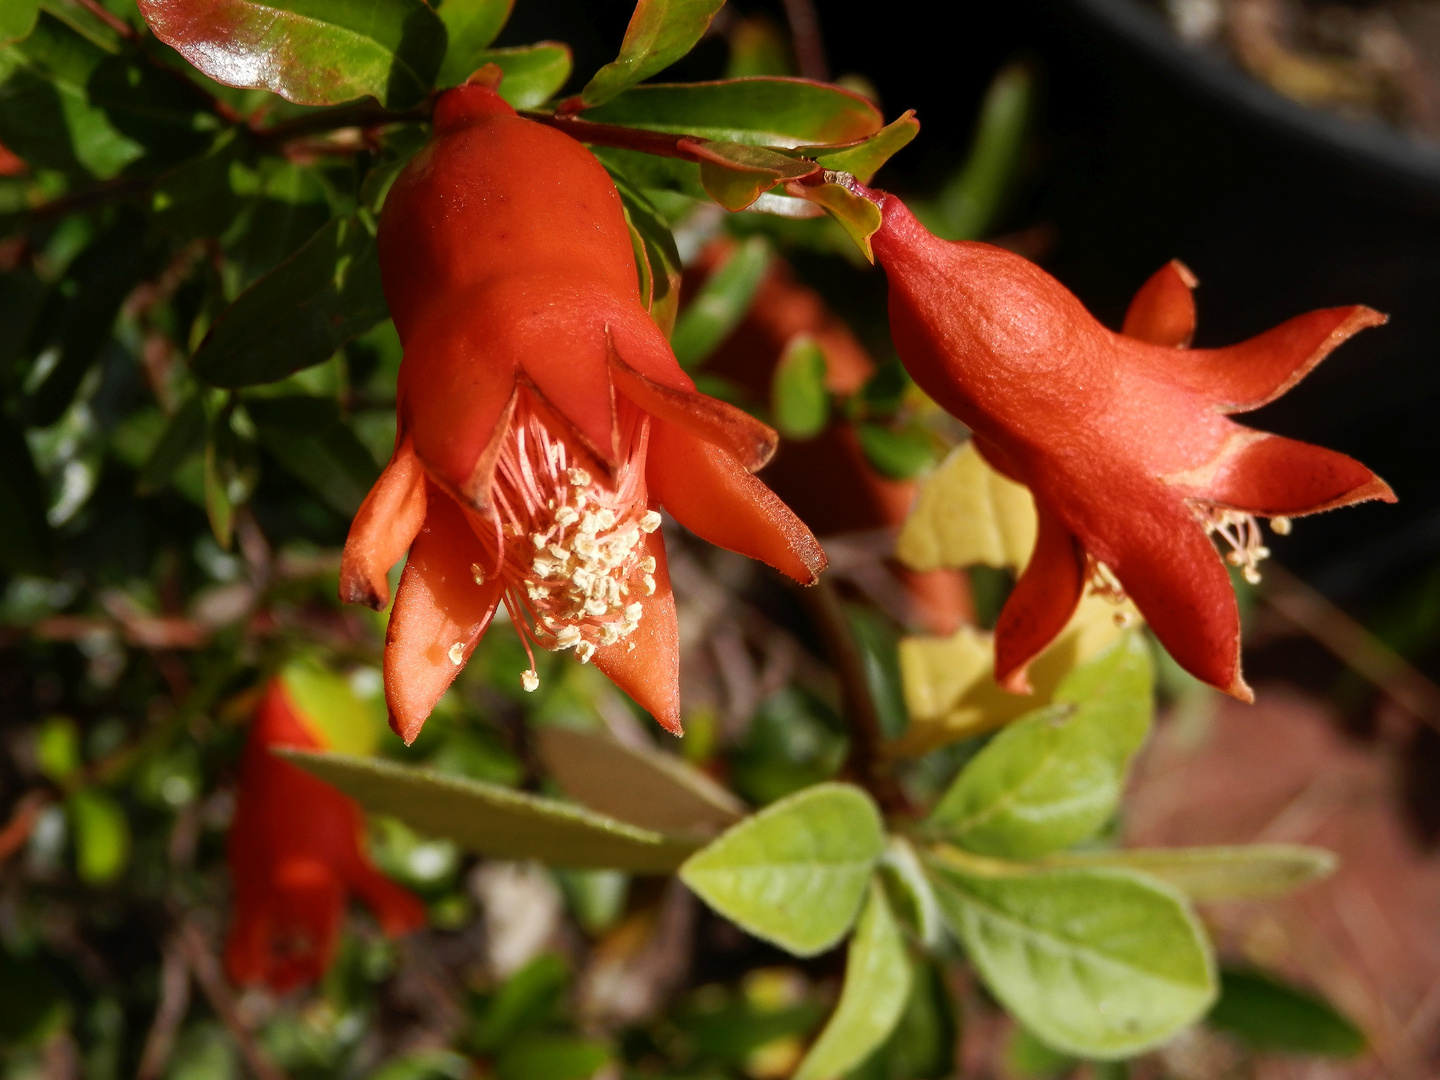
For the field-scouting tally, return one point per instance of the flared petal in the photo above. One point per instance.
(437, 607)
(384, 526)
(1256, 372)
(1163, 311)
(1041, 603)
(646, 665)
(713, 496)
(735, 431)
(1270, 475)
(1175, 576)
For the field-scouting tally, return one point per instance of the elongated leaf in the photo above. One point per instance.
(660, 32)
(470, 25)
(721, 303)
(490, 820)
(1219, 873)
(1097, 963)
(312, 52)
(312, 443)
(647, 788)
(656, 258)
(102, 836)
(1273, 1017)
(298, 315)
(877, 984)
(184, 436)
(857, 215)
(901, 454)
(863, 159)
(1053, 778)
(735, 174)
(17, 19)
(799, 401)
(950, 687)
(795, 874)
(533, 73)
(910, 893)
(759, 112)
(967, 513)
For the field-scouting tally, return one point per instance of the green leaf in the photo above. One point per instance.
(17, 19)
(1029, 1058)
(231, 468)
(57, 749)
(490, 820)
(910, 893)
(183, 437)
(197, 198)
(25, 538)
(721, 303)
(526, 1000)
(533, 73)
(799, 400)
(1272, 1017)
(795, 874)
(774, 112)
(551, 1057)
(877, 639)
(660, 32)
(863, 159)
(877, 985)
(657, 260)
(470, 25)
(1219, 873)
(857, 215)
(310, 441)
(900, 455)
(102, 836)
(301, 312)
(311, 52)
(644, 787)
(1097, 963)
(1054, 777)
(328, 707)
(735, 175)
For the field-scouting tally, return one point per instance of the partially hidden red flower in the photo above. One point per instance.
(295, 856)
(543, 420)
(1125, 440)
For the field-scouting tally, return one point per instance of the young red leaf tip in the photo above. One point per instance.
(542, 419)
(1124, 439)
(294, 853)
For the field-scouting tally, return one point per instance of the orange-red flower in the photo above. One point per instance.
(543, 421)
(294, 852)
(1124, 439)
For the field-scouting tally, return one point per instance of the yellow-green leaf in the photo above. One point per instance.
(1239, 872)
(331, 711)
(967, 513)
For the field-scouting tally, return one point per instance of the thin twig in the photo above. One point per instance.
(22, 823)
(1347, 639)
(658, 143)
(169, 1014)
(206, 968)
(866, 761)
(805, 35)
(119, 25)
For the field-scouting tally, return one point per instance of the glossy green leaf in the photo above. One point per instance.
(900, 455)
(877, 985)
(1219, 873)
(1097, 963)
(298, 315)
(796, 873)
(486, 819)
(1274, 1018)
(17, 19)
(470, 25)
(863, 159)
(310, 441)
(660, 32)
(312, 52)
(721, 303)
(644, 787)
(657, 260)
(70, 105)
(799, 400)
(102, 836)
(735, 175)
(773, 112)
(857, 215)
(25, 538)
(533, 73)
(1054, 777)
(183, 436)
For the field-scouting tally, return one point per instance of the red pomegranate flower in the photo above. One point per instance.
(1124, 439)
(543, 420)
(294, 853)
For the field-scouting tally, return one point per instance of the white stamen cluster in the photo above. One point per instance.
(1241, 533)
(573, 557)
